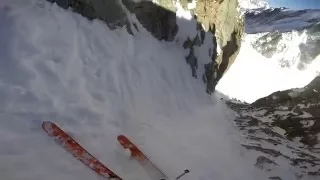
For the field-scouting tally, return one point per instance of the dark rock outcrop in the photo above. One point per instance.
(263, 162)
(109, 11)
(157, 20)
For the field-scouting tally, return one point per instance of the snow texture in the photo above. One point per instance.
(96, 84)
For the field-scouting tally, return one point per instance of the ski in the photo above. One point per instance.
(69, 144)
(152, 170)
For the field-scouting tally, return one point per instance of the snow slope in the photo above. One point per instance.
(96, 84)
(253, 76)
(280, 51)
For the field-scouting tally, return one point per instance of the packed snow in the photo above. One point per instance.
(96, 84)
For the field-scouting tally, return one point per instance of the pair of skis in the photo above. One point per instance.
(69, 144)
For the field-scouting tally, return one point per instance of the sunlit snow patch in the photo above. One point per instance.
(181, 13)
(192, 5)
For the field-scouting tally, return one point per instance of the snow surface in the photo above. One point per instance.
(253, 4)
(253, 76)
(96, 84)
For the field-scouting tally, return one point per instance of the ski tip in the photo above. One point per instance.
(46, 125)
(121, 137)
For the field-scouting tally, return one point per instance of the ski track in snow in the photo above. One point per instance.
(96, 84)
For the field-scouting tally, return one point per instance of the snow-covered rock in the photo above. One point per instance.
(284, 130)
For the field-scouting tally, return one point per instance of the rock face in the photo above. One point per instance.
(220, 18)
(285, 126)
(159, 21)
(223, 19)
(109, 11)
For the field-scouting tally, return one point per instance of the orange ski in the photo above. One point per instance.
(153, 171)
(69, 144)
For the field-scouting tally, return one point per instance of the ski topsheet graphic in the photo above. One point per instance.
(153, 171)
(69, 144)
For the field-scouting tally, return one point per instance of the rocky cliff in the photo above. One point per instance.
(220, 18)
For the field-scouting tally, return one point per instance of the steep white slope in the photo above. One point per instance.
(96, 84)
(280, 51)
(253, 76)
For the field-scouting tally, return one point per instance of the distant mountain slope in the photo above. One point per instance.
(279, 19)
